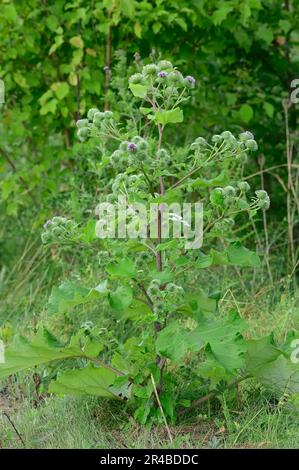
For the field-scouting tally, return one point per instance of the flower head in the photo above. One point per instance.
(190, 79)
(49, 222)
(132, 147)
(162, 74)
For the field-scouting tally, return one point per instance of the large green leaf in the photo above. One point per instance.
(69, 294)
(272, 366)
(91, 380)
(125, 268)
(221, 180)
(174, 342)
(234, 255)
(121, 298)
(281, 375)
(172, 116)
(43, 348)
(138, 90)
(212, 369)
(241, 256)
(225, 340)
(200, 301)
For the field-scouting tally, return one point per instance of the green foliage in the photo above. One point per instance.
(52, 59)
(90, 380)
(45, 348)
(68, 295)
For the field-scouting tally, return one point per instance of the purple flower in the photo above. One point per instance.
(190, 79)
(132, 147)
(106, 68)
(162, 74)
(49, 222)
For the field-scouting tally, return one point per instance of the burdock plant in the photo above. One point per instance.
(174, 347)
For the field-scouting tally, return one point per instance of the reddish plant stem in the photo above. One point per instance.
(107, 64)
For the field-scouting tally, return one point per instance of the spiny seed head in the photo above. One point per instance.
(46, 237)
(251, 144)
(153, 291)
(199, 142)
(263, 200)
(108, 114)
(82, 123)
(264, 203)
(164, 65)
(261, 194)
(123, 145)
(171, 91)
(137, 139)
(229, 191)
(116, 155)
(243, 186)
(57, 231)
(91, 113)
(155, 282)
(163, 154)
(246, 136)
(217, 138)
(83, 133)
(171, 288)
(227, 135)
(136, 78)
(98, 118)
(143, 145)
(133, 178)
(150, 69)
(174, 77)
(58, 220)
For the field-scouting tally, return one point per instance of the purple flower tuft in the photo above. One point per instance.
(132, 147)
(49, 222)
(106, 68)
(162, 74)
(190, 79)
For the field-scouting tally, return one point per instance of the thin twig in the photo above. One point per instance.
(107, 65)
(267, 253)
(14, 427)
(142, 288)
(161, 409)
